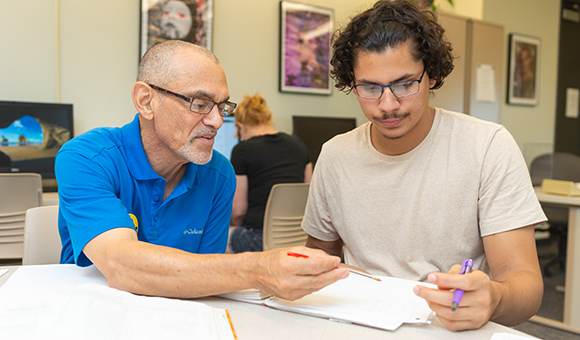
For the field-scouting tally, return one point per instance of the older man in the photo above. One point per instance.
(149, 203)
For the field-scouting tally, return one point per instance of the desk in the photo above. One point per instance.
(572, 292)
(50, 198)
(258, 322)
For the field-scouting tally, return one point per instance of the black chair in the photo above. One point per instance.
(562, 166)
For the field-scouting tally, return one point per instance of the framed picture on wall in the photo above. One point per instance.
(305, 33)
(524, 64)
(188, 20)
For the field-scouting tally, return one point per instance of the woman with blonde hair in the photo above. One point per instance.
(263, 158)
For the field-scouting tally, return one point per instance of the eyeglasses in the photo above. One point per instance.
(400, 89)
(202, 106)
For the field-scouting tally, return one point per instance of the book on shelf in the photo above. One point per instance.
(558, 187)
(385, 305)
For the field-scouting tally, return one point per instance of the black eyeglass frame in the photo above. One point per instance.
(390, 86)
(222, 110)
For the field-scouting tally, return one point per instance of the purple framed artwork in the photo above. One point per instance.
(188, 20)
(305, 33)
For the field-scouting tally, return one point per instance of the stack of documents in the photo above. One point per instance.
(553, 186)
(385, 305)
(68, 302)
(255, 296)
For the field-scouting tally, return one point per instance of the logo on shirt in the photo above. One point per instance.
(193, 232)
(135, 221)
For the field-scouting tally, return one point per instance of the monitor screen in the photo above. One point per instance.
(315, 131)
(30, 136)
(224, 140)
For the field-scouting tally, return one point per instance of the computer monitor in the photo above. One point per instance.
(315, 131)
(30, 136)
(224, 140)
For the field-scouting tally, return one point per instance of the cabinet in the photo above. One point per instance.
(476, 44)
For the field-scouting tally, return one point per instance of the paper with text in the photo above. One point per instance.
(386, 304)
(70, 302)
(97, 312)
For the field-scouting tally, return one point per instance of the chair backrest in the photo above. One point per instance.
(283, 216)
(41, 238)
(18, 192)
(559, 165)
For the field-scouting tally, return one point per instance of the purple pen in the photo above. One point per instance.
(466, 269)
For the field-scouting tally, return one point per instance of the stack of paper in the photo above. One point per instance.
(69, 302)
(247, 295)
(553, 186)
(386, 304)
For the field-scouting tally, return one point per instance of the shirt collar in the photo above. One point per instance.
(138, 162)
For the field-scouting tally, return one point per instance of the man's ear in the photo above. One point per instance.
(143, 99)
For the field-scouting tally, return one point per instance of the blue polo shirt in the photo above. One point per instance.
(105, 181)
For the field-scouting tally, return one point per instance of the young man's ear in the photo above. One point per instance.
(142, 99)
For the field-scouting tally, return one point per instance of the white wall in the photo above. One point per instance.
(531, 124)
(92, 62)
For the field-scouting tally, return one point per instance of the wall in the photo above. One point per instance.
(96, 64)
(531, 126)
(91, 60)
(567, 128)
(249, 55)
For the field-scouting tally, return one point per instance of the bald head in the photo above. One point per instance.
(158, 65)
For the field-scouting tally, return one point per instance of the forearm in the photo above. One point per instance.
(517, 285)
(237, 219)
(148, 269)
(331, 248)
(518, 296)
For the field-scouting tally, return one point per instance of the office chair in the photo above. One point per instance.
(19, 192)
(562, 166)
(283, 216)
(41, 238)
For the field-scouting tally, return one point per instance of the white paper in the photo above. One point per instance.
(51, 279)
(484, 83)
(386, 304)
(3, 271)
(509, 336)
(69, 302)
(254, 296)
(572, 102)
(34, 296)
(113, 314)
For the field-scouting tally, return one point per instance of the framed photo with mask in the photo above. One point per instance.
(187, 20)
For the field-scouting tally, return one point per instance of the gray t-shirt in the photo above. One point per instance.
(409, 215)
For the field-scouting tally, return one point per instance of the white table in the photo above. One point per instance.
(257, 322)
(572, 292)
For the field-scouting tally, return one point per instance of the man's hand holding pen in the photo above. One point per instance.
(477, 304)
(292, 277)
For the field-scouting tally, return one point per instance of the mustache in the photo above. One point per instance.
(393, 116)
(202, 131)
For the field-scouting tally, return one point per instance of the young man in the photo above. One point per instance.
(417, 190)
(149, 203)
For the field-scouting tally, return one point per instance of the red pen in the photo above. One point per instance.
(350, 270)
(297, 255)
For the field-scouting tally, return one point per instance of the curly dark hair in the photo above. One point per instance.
(389, 24)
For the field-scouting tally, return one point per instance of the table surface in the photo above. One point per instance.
(570, 201)
(572, 291)
(258, 322)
